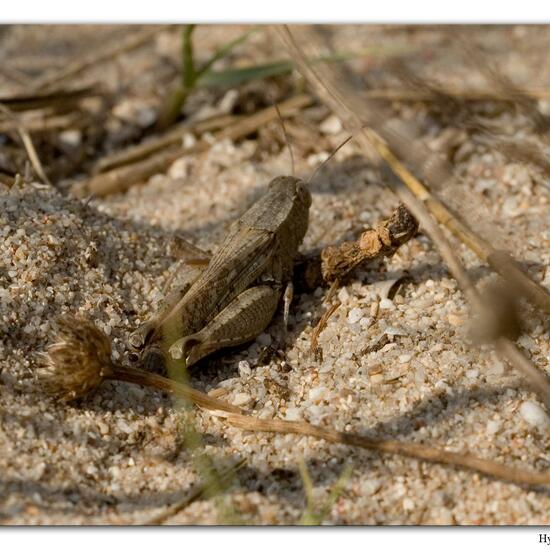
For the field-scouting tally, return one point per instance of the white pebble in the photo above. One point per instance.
(343, 294)
(371, 486)
(386, 303)
(534, 415)
(472, 374)
(318, 393)
(244, 368)
(355, 315)
(293, 413)
(242, 399)
(493, 426)
(331, 125)
(405, 358)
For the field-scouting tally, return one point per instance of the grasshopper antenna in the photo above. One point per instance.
(316, 171)
(281, 120)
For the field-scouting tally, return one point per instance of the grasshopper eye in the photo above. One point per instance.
(303, 192)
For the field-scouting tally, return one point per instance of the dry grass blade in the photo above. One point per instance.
(121, 179)
(73, 69)
(224, 476)
(28, 144)
(43, 100)
(158, 143)
(506, 348)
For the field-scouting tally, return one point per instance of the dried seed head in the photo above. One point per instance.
(77, 362)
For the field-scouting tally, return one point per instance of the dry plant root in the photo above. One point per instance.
(334, 263)
(80, 360)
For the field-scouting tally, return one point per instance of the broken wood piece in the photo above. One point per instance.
(383, 240)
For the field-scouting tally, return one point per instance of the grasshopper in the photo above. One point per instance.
(234, 297)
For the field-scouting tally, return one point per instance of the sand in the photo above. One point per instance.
(401, 368)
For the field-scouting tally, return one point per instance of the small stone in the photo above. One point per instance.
(408, 504)
(103, 428)
(386, 303)
(244, 368)
(293, 413)
(472, 374)
(377, 378)
(455, 320)
(405, 358)
(355, 315)
(343, 294)
(534, 415)
(242, 399)
(317, 394)
(493, 426)
(371, 486)
(264, 339)
(331, 125)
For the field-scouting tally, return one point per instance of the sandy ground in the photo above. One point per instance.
(401, 368)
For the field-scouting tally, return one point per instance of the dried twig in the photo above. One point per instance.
(413, 450)
(320, 326)
(382, 240)
(121, 179)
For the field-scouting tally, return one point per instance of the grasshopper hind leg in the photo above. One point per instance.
(241, 321)
(175, 289)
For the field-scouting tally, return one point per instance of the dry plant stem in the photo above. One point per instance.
(143, 378)
(321, 325)
(195, 493)
(500, 261)
(157, 143)
(121, 179)
(413, 450)
(125, 45)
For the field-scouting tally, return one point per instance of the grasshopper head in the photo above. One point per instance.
(292, 187)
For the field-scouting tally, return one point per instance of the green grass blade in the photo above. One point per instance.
(235, 77)
(189, 75)
(226, 49)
